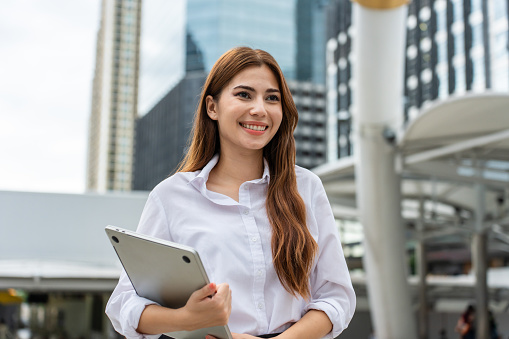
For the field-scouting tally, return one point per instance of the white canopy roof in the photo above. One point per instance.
(456, 119)
(448, 146)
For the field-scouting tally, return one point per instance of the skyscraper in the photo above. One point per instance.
(215, 26)
(453, 47)
(310, 17)
(291, 30)
(114, 97)
(162, 133)
(162, 50)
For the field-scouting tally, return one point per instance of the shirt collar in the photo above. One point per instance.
(266, 172)
(199, 182)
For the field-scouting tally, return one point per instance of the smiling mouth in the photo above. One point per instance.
(254, 127)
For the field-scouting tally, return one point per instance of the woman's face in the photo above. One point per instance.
(248, 111)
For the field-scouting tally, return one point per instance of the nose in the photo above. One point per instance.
(258, 108)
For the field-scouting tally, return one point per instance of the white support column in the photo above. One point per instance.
(379, 74)
(479, 259)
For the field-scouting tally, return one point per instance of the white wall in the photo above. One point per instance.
(64, 227)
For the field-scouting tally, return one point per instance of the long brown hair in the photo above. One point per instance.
(293, 247)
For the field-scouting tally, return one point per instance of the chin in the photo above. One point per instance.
(253, 146)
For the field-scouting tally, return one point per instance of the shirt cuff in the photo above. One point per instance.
(335, 317)
(131, 318)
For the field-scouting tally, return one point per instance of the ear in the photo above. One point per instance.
(211, 107)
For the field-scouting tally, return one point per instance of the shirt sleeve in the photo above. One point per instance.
(124, 307)
(331, 287)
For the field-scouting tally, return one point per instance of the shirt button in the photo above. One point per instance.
(246, 212)
(260, 306)
(253, 239)
(260, 272)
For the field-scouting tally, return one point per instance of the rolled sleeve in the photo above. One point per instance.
(124, 309)
(331, 286)
(330, 311)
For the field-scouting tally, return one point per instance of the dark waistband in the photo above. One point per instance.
(272, 335)
(269, 335)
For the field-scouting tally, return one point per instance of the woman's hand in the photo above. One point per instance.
(209, 306)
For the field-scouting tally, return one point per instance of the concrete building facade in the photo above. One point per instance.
(114, 97)
(311, 132)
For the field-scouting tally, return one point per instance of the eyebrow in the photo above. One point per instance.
(249, 88)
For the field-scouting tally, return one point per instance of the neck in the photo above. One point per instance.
(240, 168)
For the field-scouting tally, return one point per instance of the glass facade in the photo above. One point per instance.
(442, 69)
(453, 47)
(163, 45)
(458, 61)
(498, 13)
(218, 25)
(318, 42)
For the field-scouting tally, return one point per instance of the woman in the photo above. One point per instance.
(466, 325)
(262, 225)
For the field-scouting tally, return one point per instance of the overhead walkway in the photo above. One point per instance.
(453, 162)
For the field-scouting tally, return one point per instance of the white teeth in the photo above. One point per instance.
(254, 127)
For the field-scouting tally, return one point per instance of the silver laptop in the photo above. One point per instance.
(164, 272)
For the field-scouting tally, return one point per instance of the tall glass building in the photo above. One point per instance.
(218, 25)
(114, 97)
(453, 47)
(162, 50)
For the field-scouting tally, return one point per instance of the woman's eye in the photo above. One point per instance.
(244, 95)
(273, 98)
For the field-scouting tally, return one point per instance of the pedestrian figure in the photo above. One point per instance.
(466, 324)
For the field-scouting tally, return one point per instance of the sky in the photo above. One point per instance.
(47, 61)
(47, 57)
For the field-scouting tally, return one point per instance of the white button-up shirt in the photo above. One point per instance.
(234, 242)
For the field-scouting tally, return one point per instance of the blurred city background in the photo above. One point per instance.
(96, 105)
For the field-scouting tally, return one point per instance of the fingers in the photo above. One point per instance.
(223, 291)
(205, 291)
(209, 306)
(223, 301)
